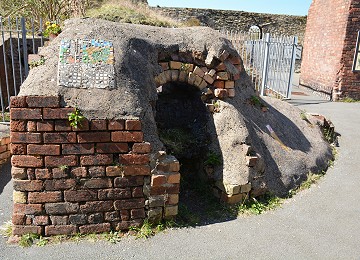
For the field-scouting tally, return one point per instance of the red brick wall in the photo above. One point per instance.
(350, 81)
(69, 180)
(329, 45)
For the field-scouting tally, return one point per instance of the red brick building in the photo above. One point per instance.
(329, 48)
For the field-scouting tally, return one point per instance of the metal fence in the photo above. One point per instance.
(269, 61)
(19, 37)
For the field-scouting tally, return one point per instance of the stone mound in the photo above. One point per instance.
(148, 59)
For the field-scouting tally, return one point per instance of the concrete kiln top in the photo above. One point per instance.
(136, 50)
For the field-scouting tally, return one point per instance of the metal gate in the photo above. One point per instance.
(269, 61)
(18, 38)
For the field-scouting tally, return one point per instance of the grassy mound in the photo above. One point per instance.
(127, 12)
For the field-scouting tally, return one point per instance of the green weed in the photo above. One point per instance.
(6, 229)
(213, 159)
(37, 63)
(27, 240)
(75, 118)
(257, 206)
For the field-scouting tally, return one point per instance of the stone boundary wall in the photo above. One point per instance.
(68, 180)
(240, 20)
(4, 149)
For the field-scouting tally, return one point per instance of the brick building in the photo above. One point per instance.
(329, 48)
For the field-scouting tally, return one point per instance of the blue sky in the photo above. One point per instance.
(293, 7)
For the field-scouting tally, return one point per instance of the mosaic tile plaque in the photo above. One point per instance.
(86, 64)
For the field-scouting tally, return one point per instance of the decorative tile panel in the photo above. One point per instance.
(86, 64)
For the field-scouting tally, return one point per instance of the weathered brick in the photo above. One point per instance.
(62, 125)
(97, 183)
(61, 208)
(98, 159)
(41, 220)
(59, 138)
(77, 149)
(80, 195)
(112, 216)
(170, 211)
(28, 209)
(25, 113)
(93, 137)
(17, 126)
(168, 189)
(133, 125)
(55, 161)
(219, 84)
(59, 220)
(95, 228)
(113, 194)
(98, 125)
(229, 84)
(169, 165)
(45, 126)
(116, 125)
(44, 197)
(97, 171)
(129, 203)
(30, 173)
(27, 185)
(83, 125)
(59, 184)
(137, 192)
(60, 230)
(172, 199)
(134, 159)
(78, 172)
(78, 219)
(125, 225)
(137, 213)
(112, 147)
(141, 148)
(96, 218)
(136, 170)
(58, 173)
(18, 149)
(43, 149)
(17, 101)
(125, 136)
(158, 180)
(43, 101)
(128, 181)
(97, 206)
(22, 230)
(18, 173)
(5, 140)
(114, 171)
(57, 113)
(125, 214)
(42, 174)
(19, 197)
(31, 126)
(18, 219)
(18, 137)
(174, 178)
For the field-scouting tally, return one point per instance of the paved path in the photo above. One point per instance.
(320, 223)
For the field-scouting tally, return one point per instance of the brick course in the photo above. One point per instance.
(66, 180)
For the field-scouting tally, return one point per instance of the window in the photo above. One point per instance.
(356, 62)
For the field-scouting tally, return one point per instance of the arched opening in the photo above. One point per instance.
(183, 120)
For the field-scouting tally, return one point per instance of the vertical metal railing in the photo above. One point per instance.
(270, 61)
(18, 38)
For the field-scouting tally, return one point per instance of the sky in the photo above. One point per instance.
(292, 7)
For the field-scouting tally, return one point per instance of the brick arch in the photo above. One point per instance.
(216, 82)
